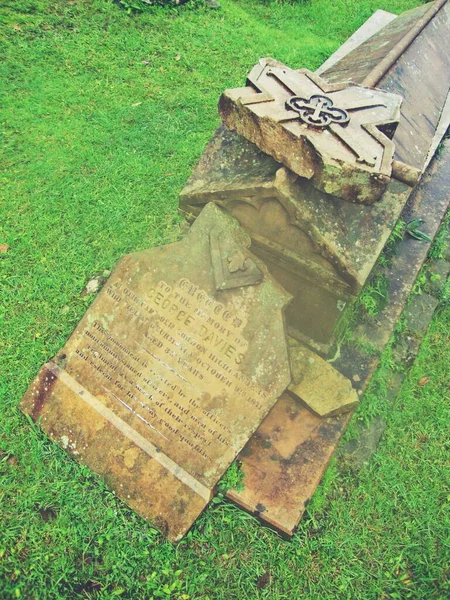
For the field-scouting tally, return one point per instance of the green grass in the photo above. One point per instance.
(103, 116)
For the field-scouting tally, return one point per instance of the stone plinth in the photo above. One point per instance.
(319, 247)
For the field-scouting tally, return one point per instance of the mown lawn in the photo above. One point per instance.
(103, 116)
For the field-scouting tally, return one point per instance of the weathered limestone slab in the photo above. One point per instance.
(170, 371)
(319, 247)
(321, 387)
(335, 135)
(421, 75)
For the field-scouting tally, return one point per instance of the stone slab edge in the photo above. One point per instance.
(373, 25)
(443, 125)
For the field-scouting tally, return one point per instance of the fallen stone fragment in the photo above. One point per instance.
(323, 389)
(320, 248)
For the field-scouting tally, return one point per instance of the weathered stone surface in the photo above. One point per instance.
(419, 313)
(421, 75)
(358, 451)
(356, 64)
(373, 25)
(429, 199)
(437, 276)
(168, 374)
(321, 387)
(404, 350)
(320, 248)
(442, 126)
(335, 135)
(341, 237)
(284, 462)
(278, 486)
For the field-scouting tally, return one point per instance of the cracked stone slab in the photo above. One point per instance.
(336, 135)
(168, 374)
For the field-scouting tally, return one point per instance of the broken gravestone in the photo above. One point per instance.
(336, 135)
(170, 371)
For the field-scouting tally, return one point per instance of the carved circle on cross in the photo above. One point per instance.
(318, 111)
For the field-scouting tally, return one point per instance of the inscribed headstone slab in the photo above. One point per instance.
(170, 371)
(336, 135)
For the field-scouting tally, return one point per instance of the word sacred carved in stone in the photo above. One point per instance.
(338, 135)
(168, 375)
